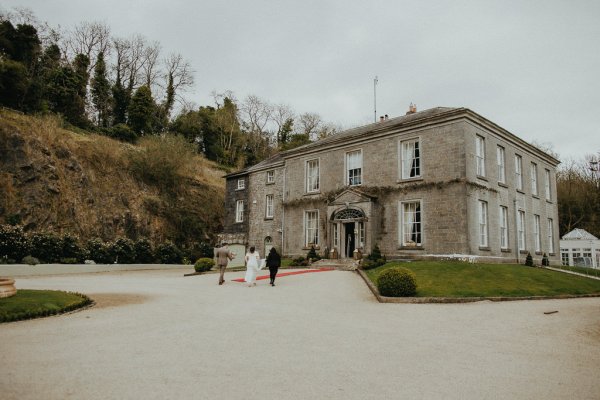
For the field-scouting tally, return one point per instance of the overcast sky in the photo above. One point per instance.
(532, 67)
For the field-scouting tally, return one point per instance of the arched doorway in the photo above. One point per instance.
(268, 245)
(348, 231)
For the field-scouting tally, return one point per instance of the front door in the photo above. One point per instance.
(349, 239)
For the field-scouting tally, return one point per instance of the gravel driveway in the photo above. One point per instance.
(158, 335)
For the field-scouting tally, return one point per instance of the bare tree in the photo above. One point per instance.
(256, 115)
(150, 57)
(282, 114)
(179, 76)
(89, 38)
(309, 124)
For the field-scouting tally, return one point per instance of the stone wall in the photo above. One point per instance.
(232, 195)
(259, 226)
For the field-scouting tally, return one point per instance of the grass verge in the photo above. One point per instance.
(458, 279)
(27, 304)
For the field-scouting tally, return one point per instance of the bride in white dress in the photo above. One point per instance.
(252, 264)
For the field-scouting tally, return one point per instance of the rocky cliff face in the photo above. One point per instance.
(56, 180)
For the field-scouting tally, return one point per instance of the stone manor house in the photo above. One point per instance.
(440, 183)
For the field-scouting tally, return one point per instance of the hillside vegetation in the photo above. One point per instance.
(57, 180)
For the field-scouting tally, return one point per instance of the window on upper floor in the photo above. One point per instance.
(312, 176)
(239, 211)
(410, 159)
(480, 155)
(241, 184)
(519, 172)
(270, 176)
(311, 228)
(483, 224)
(411, 232)
(354, 167)
(547, 184)
(534, 184)
(501, 160)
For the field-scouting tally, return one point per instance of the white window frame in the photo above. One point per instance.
(239, 211)
(519, 172)
(504, 227)
(311, 225)
(269, 206)
(483, 223)
(336, 236)
(521, 229)
(404, 222)
(550, 233)
(564, 256)
(313, 178)
(241, 184)
(359, 176)
(271, 176)
(501, 161)
(409, 153)
(534, 184)
(547, 185)
(537, 234)
(480, 155)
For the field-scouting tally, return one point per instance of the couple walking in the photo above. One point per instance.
(255, 264)
(252, 261)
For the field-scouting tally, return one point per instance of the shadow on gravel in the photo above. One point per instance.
(104, 300)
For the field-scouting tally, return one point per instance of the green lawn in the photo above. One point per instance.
(458, 279)
(39, 303)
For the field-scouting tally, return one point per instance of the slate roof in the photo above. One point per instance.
(380, 125)
(579, 234)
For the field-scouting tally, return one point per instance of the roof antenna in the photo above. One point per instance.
(375, 97)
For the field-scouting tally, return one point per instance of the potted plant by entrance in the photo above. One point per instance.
(7, 287)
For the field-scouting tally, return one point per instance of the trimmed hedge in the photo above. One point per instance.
(28, 304)
(397, 282)
(204, 264)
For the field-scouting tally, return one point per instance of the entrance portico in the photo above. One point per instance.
(349, 225)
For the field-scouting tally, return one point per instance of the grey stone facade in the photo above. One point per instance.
(447, 209)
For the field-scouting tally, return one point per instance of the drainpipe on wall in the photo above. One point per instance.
(516, 229)
(283, 214)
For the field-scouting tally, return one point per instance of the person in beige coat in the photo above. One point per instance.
(223, 256)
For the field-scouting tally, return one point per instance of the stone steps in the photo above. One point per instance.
(339, 264)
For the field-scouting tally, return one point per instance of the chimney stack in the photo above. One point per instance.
(412, 109)
(381, 118)
(386, 117)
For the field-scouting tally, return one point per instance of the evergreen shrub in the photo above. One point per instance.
(143, 252)
(397, 282)
(299, 262)
(97, 250)
(529, 260)
(204, 264)
(71, 249)
(312, 254)
(14, 244)
(46, 246)
(545, 261)
(121, 251)
(29, 260)
(168, 253)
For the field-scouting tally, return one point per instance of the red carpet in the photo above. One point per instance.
(306, 271)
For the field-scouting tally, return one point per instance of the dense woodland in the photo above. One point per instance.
(127, 88)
